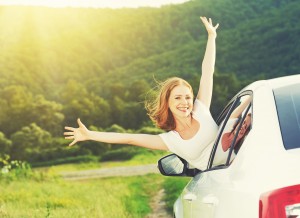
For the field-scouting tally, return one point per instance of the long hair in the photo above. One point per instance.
(158, 108)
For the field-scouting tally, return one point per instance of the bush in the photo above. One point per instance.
(125, 153)
(77, 159)
(14, 169)
(58, 153)
(150, 130)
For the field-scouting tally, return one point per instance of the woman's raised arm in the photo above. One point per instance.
(208, 64)
(143, 140)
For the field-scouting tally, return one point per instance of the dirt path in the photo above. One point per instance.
(157, 204)
(111, 172)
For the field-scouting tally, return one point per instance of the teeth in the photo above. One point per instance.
(183, 108)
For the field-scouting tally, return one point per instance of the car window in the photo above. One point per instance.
(288, 109)
(233, 130)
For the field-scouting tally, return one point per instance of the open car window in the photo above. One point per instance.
(233, 130)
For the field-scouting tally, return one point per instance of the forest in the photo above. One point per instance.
(58, 64)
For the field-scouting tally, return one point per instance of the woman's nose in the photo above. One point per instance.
(184, 101)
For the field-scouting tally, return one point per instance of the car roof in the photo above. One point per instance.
(283, 81)
(274, 83)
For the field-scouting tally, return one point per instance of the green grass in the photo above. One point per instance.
(173, 187)
(42, 193)
(112, 197)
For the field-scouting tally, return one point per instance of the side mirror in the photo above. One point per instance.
(172, 165)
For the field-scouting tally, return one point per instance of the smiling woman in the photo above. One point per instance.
(93, 3)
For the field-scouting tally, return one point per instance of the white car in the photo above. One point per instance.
(254, 165)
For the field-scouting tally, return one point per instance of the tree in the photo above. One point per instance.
(47, 114)
(19, 107)
(29, 140)
(225, 87)
(5, 144)
(137, 90)
(16, 105)
(91, 108)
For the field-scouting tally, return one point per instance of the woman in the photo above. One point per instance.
(190, 125)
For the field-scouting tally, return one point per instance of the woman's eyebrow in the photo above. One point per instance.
(182, 95)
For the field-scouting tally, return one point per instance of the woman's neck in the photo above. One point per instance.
(183, 124)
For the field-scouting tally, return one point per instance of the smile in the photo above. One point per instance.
(183, 109)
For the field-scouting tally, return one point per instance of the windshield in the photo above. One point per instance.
(288, 109)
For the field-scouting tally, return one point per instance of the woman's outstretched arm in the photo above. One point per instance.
(143, 140)
(208, 64)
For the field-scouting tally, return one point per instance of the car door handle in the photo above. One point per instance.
(190, 197)
(210, 199)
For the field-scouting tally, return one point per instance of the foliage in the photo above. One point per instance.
(30, 139)
(76, 159)
(124, 153)
(18, 103)
(5, 144)
(16, 170)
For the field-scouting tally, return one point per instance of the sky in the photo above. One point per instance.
(93, 3)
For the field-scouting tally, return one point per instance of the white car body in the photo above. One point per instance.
(261, 165)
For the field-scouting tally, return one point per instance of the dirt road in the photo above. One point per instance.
(111, 172)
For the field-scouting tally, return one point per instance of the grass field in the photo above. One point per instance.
(111, 197)
(42, 193)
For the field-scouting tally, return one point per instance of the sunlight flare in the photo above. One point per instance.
(93, 3)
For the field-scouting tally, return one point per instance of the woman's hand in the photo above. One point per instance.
(77, 134)
(211, 30)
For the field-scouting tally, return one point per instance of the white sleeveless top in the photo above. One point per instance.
(195, 150)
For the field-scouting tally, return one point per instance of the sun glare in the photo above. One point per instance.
(29, 35)
(93, 3)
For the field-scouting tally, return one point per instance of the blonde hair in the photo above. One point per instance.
(158, 108)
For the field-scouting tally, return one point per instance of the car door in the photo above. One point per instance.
(204, 192)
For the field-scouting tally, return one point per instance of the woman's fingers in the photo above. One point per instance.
(69, 137)
(73, 131)
(208, 22)
(69, 133)
(204, 20)
(70, 128)
(73, 143)
(80, 124)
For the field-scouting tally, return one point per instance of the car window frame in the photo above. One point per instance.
(236, 135)
(223, 118)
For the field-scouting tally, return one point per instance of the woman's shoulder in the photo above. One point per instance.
(200, 107)
(168, 134)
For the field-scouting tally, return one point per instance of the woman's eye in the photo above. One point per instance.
(177, 97)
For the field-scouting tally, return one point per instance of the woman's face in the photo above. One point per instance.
(181, 101)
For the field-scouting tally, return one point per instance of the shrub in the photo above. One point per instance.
(76, 159)
(124, 153)
(14, 169)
